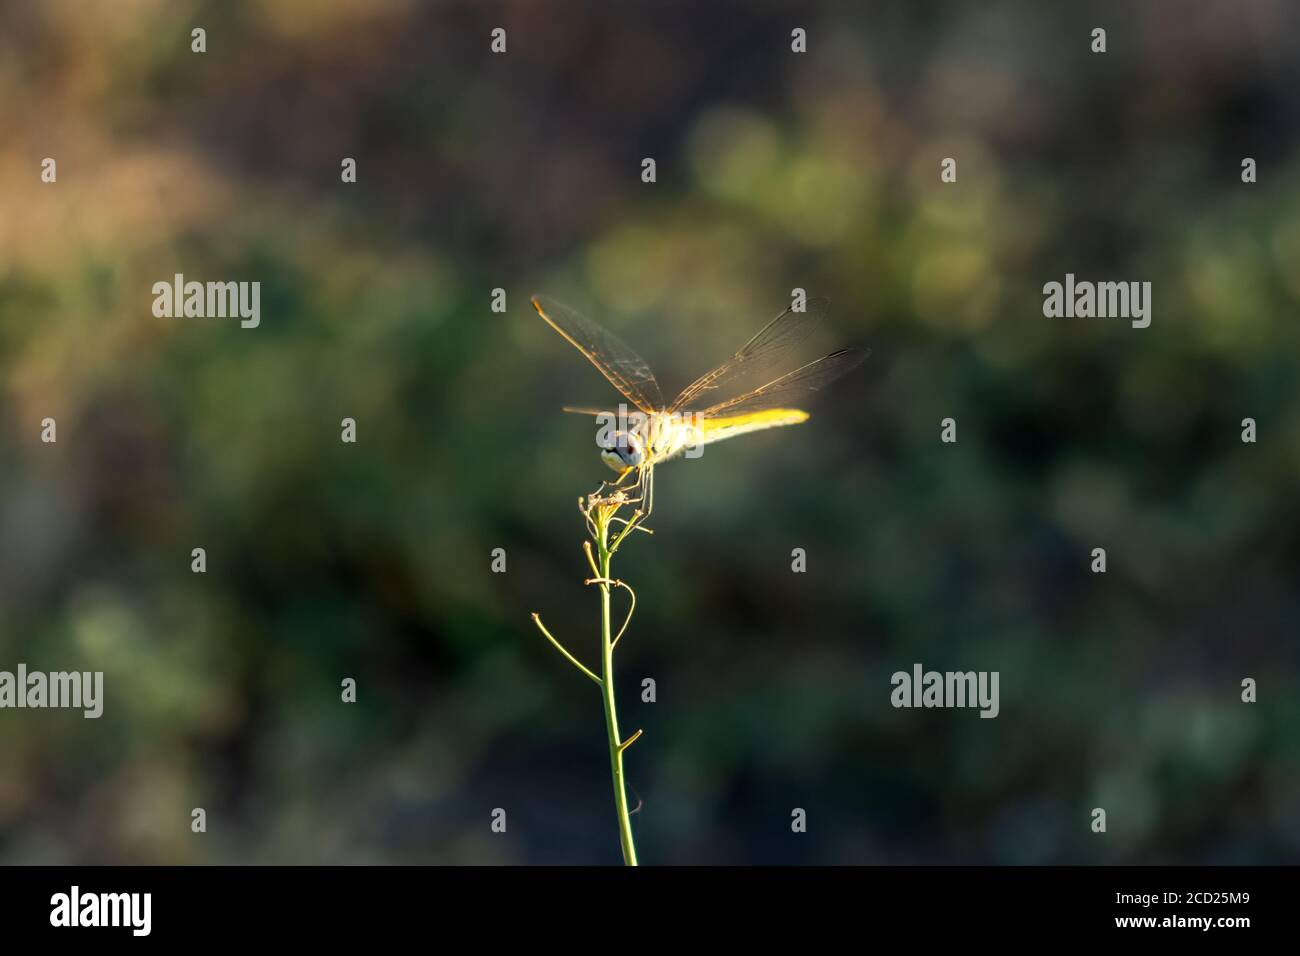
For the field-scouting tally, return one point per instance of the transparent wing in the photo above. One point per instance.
(626, 370)
(764, 350)
(791, 387)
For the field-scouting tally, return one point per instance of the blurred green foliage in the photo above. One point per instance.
(521, 171)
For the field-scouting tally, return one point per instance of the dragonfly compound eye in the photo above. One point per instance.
(623, 451)
(629, 448)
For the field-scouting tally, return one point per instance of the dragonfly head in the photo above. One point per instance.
(624, 450)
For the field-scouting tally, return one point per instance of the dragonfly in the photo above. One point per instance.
(657, 431)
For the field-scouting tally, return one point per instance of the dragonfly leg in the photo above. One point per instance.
(610, 488)
(639, 494)
(643, 492)
(648, 492)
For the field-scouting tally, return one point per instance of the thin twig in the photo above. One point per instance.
(632, 523)
(560, 647)
(627, 620)
(625, 837)
(615, 582)
(599, 512)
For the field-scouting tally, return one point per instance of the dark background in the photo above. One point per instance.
(775, 171)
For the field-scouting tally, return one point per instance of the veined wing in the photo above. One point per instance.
(790, 388)
(764, 350)
(626, 370)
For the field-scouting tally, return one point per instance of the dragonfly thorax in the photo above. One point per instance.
(668, 434)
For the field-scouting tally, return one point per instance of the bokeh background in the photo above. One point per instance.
(775, 171)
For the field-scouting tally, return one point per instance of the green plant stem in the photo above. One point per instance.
(562, 649)
(616, 745)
